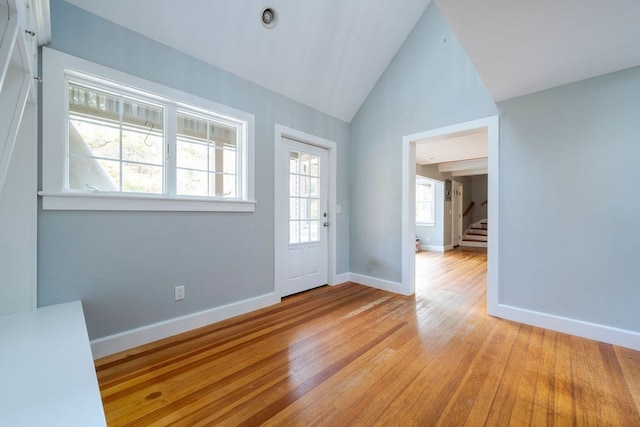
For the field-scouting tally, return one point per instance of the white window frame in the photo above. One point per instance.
(422, 180)
(57, 68)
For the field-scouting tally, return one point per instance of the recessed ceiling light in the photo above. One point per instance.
(269, 17)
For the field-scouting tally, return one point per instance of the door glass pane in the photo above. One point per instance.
(294, 208)
(294, 164)
(313, 190)
(294, 233)
(294, 185)
(304, 197)
(314, 230)
(304, 231)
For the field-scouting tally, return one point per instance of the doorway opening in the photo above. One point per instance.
(490, 125)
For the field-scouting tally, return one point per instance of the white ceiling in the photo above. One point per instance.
(520, 47)
(328, 54)
(453, 147)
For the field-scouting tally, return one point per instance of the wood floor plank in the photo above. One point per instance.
(352, 355)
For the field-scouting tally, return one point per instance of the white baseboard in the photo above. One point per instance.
(342, 278)
(432, 248)
(448, 248)
(125, 340)
(594, 331)
(373, 282)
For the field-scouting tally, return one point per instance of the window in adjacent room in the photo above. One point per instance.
(425, 201)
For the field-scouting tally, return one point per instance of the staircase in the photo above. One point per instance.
(476, 235)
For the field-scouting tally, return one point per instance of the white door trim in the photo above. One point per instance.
(409, 204)
(280, 223)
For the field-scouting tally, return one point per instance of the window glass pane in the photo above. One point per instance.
(91, 138)
(209, 146)
(141, 178)
(138, 147)
(191, 128)
(229, 162)
(191, 156)
(93, 174)
(223, 136)
(228, 187)
(127, 131)
(192, 183)
(424, 202)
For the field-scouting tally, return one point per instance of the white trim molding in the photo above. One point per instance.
(432, 248)
(594, 331)
(136, 337)
(374, 282)
(492, 124)
(280, 226)
(341, 279)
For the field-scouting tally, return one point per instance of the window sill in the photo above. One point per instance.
(126, 202)
(425, 224)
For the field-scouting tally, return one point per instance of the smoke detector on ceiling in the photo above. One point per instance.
(269, 17)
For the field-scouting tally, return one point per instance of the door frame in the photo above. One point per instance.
(409, 201)
(281, 225)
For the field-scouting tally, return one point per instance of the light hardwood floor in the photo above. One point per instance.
(351, 355)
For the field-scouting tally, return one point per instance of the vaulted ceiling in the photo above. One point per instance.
(329, 54)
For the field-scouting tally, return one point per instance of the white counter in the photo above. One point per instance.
(47, 375)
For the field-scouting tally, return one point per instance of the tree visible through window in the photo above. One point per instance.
(115, 143)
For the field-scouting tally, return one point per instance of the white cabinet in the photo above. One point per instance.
(19, 22)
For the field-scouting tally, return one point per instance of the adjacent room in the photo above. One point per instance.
(344, 212)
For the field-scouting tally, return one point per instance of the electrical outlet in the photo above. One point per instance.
(179, 293)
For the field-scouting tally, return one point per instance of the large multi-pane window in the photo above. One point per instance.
(126, 141)
(425, 201)
(114, 141)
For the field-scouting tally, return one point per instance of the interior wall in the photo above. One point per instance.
(479, 195)
(124, 265)
(568, 200)
(430, 83)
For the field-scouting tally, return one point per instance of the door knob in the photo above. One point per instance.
(325, 224)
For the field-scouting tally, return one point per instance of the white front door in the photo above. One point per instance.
(307, 253)
(456, 209)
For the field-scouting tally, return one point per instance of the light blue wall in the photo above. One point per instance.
(569, 206)
(124, 265)
(429, 84)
